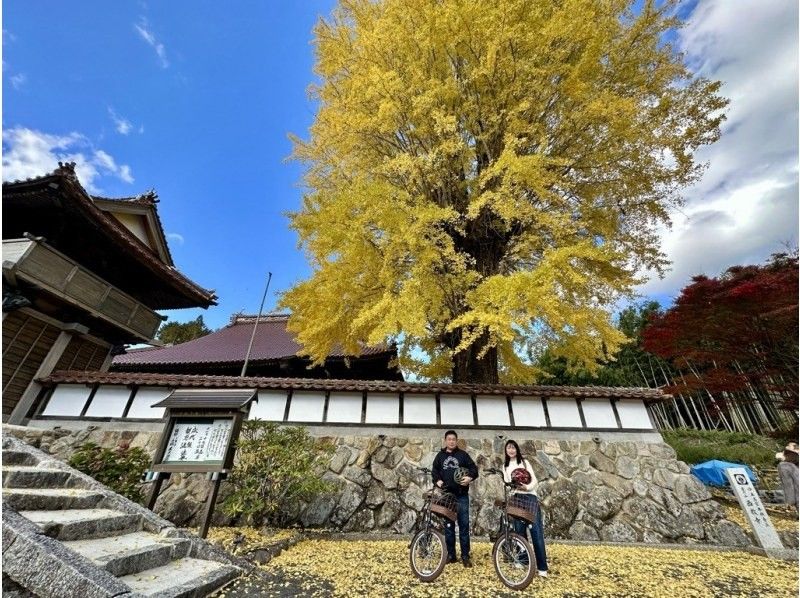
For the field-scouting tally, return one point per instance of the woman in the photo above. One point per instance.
(526, 492)
(787, 471)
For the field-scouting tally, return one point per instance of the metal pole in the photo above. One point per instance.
(253, 336)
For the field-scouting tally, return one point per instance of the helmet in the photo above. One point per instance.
(521, 476)
(459, 474)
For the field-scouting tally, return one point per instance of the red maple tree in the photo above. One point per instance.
(735, 335)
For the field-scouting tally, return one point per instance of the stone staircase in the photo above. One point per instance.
(64, 535)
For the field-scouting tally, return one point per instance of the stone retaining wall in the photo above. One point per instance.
(611, 490)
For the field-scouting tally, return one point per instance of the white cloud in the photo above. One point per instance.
(143, 28)
(175, 237)
(28, 153)
(122, 124)
(18, 81)
(745, 206)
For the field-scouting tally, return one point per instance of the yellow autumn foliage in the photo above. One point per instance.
(490, 176)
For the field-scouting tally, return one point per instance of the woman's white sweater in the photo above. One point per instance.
(530, 488)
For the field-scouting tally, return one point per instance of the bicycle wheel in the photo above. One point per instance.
(428, 554)
(514, 561)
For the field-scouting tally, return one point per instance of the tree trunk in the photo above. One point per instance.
(469, 368)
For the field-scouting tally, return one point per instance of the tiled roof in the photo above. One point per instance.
(83, 202)
(229, 345)
(196, 381)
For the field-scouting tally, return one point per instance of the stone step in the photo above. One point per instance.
(184, 578)
(25, 476)
(18, 458)
(131, 553)
(50, 499)
(82, 524)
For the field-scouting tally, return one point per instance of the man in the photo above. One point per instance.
(454, 470)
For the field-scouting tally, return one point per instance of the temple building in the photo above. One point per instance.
(275, 354)
(82, 277)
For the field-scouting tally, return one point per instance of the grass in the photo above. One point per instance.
(696, 446)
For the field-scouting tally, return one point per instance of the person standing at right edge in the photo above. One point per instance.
(454, 470)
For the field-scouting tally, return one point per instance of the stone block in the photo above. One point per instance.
(356, 474)
(627, 467)
(689, 489)
(618, 531)
(340, 458)
(580, 531)
(387, 476)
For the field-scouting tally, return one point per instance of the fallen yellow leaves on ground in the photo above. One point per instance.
(782, 521)
(380, 568)
(237, 540)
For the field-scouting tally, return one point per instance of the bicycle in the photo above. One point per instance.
(428, 551)
(512, 554)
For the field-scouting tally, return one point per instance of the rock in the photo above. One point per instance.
(405, 522)
(651, 537)
(640, 487)
(551, 447)
(647, 515)
(690, 525)
(627, 467)
(413, 497)
(581, 531)
(363, 520)
(562, 505)
(664, 478)
(321, 506)
(618, 531)
(603, 503)
(689, 489)
(376, 495)
(789, 539)
(350, 499)
(582, 463)
(662, 451)
(401, 442)
(601, 462)
(340, 459)
(380, 454)
(727, 533)
(385, 475)
(609, 449)
(413, 452)
(389, 512)
(394, 457)
(178, 505)
(587, 447)
(708, 510)
(364, 457)
(583, 480)
(621, 485)
(549, 470)
(486, 521)
(389, 441)
(362, 477)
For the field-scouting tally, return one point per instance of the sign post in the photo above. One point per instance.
(199, 437)
(755, 513)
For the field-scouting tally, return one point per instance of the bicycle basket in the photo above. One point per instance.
(445, 505)
(521, 508)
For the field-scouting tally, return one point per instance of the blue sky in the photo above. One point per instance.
(197, 102)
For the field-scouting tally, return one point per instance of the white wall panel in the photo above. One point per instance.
(633, 414)
(456, 410)
(109, 401)
(307, 406)
(345, 407)
(528, 411)
(141, 407)
(599, 413)
(419, 409)
(67, 399)
(492, 410)
(271, 405)
(564, 413)
(383, 408)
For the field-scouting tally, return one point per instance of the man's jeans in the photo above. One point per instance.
(463, 529)
(536, 530)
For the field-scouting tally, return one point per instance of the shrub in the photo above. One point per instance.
(120, 468)
(275, 468)
(696, 446)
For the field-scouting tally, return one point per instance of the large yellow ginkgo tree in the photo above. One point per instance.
(485, 178)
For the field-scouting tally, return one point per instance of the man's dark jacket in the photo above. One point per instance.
(445, 465)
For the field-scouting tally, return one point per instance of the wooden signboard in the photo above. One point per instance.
(199, 437)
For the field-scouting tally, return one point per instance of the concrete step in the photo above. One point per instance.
(131, 553)
(50, 499)
(82, 524)
(184, 578)
(18, 458)
(26, 476)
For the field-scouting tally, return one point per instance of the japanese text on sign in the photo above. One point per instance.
(198, 441)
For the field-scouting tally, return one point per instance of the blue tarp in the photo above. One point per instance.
(713, 472)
